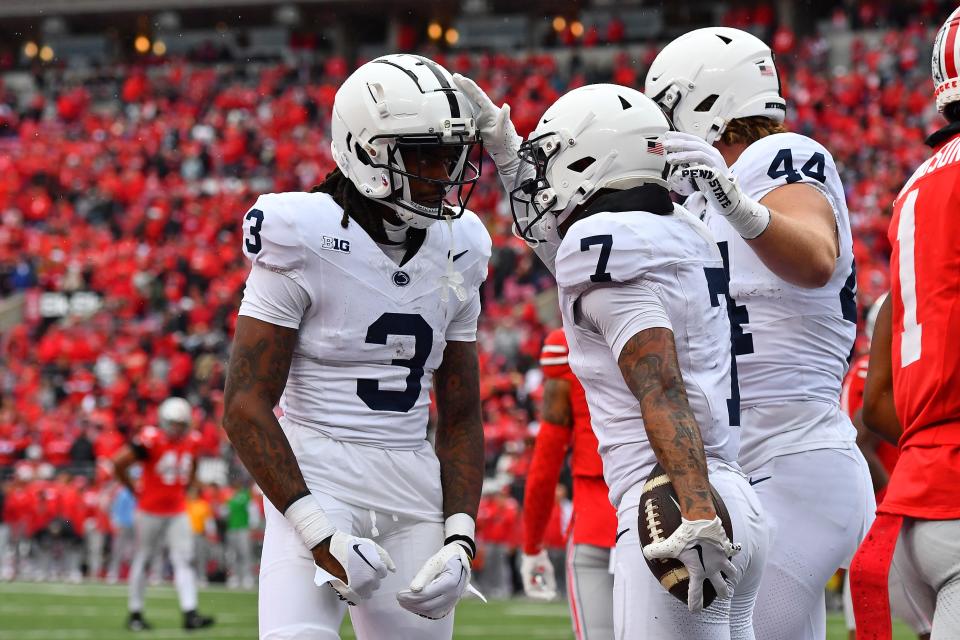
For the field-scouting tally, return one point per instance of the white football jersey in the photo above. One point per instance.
(793, 344)
(676, 255)
(369, 342)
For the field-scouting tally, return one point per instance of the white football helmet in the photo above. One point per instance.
(946, 57)
(387, 113)
(707, 77)
(600, 136)
(174, 415)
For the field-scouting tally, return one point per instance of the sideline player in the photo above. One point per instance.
(356, 306)
(168, 457)
(643, 298)
(565, 424)
(774, 201)
(920, 513)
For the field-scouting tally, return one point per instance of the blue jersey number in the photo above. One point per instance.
(398, 324)
(606, 244)
(782, 167)
(254, 244)
(741, 343)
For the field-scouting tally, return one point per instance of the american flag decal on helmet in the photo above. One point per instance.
(655, 147)
(766, 69)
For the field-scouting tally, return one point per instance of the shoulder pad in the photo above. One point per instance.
(554, 355)
(623, 246)
(279, 227)
(470, 233)
(783, 158)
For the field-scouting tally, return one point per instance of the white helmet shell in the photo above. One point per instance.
(946, 58)
(395, 102)
(600, 136)
(174, 410)
(708, 77)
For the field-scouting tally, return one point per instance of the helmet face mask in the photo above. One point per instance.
(412, 162)
(534, 198)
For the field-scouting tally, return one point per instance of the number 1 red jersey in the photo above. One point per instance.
(167, 464)
(925, 293)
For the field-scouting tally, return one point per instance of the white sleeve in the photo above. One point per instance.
(463, 327)
(620, 312)
(274, 297)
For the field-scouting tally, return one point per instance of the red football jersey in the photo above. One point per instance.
(925, 295)
(594, 518)
(166, 470)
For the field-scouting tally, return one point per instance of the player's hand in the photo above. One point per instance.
(684, 149)
(353, 566)
(748, 217)
(439, 584)
(539, 581)
(500, 137)
(704, 548)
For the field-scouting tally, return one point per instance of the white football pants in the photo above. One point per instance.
(292, 607)
(153, 533)
(644, 609)
(819, 505)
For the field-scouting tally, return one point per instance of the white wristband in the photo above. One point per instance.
(749, 219)
(460, 527)
(311, 522)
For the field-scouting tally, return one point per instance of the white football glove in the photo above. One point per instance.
(684, 150)
(500, 137)
(705, 550)
(539, 581)
(365, 562)
(439, 584)
(748, 217)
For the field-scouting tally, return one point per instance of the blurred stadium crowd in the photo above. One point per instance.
(122, 192)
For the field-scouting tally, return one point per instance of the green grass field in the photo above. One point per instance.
(31, 611)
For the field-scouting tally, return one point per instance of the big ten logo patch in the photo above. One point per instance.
(335, 244)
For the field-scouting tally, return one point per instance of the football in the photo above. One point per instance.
(658, 518)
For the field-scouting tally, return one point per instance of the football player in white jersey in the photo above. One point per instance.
(362, 297)
(775, 203)
(643, 298)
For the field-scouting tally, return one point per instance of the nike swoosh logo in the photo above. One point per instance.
(460, 255)
(620, 534)
(758, 480)
(356, 548)
(546, 120)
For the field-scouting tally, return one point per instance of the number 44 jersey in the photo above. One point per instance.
(371, 335)
(792, 344)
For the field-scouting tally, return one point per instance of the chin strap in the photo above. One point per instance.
(452, 278)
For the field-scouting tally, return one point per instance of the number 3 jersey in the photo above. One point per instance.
(675, 257)
(792, 344)
(371, 335)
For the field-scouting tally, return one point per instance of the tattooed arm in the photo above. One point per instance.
(649, 365)
(459, 429)
(259, 363)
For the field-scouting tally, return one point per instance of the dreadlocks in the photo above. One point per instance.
(356, 206)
